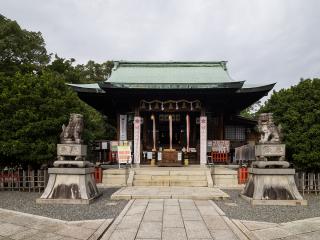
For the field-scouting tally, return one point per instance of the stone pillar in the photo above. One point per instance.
(136, 140)
(203, 140)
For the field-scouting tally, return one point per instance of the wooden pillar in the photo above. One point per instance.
(170, 130)
(188, 131)
(221, 127)
(154, 132)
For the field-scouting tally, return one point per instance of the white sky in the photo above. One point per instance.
(263, 41)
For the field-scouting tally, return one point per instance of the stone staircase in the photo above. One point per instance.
(182, 177)
(115, 177)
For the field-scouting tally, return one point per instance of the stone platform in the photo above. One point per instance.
(201, 193)
(70, 186)
(272, 186)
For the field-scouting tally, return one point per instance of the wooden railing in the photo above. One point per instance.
(308, 182)
(23, 180)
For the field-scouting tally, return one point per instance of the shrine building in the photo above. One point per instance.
(170, 111)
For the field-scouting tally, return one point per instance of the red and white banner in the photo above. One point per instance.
(203, 140)
(136, 139)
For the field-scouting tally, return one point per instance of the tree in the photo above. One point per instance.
(91, 72)
(297, 109)
(32, 111)
(251, 111)
(20, 50)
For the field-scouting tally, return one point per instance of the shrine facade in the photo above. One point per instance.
(170, 111)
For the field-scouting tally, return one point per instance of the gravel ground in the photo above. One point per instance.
(238, 208)
(103, 207)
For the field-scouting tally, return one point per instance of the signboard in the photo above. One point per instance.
(221, 146)
(114, 145)
(136, 139)
(123, 127)
(124, 154)
(203, 140)
(104, 145)
(179, 156)
(149, 155)
(159, 156)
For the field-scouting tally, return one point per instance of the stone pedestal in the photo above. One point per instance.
(70, 186)
(272, 186)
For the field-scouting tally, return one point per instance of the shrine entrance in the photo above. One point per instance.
(171, 135)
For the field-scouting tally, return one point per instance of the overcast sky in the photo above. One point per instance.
(263, 41)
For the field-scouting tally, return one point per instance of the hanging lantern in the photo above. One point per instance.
(156, 106)
(177, 106)
(191, 107)
(184, 105)
(162, 108)
(170, 106)
(198, 106)
(143, 105)
(150, 106)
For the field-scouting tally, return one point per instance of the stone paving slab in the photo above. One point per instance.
(177, 219)
(151, 192)
(296, 230)
(17, 225)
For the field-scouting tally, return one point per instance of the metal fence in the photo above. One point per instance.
(308, 182)
(23, 180)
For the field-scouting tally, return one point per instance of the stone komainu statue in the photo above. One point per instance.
(270, 133)
(73, 132)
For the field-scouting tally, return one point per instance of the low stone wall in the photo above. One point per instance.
(115, 177)
(225, 177)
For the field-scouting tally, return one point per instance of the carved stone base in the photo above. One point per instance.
(80, 164)
(70, 186)
(272, 187)
(271, 164)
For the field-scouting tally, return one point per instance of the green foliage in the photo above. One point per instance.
(35, 100)
(32, 111)
(20, 50)
(89, 73)
(297, 109)
(251, 112)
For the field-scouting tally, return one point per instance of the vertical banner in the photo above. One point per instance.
(203, 140)
(188, 131)
(136, 139)
(123, 127)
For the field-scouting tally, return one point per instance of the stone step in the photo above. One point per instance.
(107, 176)
(170, 183)
(115, 171)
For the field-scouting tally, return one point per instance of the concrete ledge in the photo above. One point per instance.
(67, 201)
(255, 202)
(272, 171)
(71, 171)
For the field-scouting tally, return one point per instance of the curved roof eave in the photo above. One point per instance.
(256, 88)
(90, 88)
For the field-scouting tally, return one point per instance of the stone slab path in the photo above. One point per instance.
(17, 225)
(198, 193)
(172, 219)
(295, 230)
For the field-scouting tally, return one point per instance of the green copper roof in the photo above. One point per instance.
(186, 73)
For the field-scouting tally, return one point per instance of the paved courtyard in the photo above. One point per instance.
(171, 219)
(17, 225)
(201, 193)
(156, 219)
